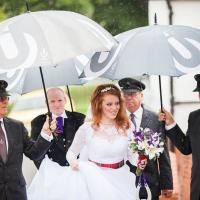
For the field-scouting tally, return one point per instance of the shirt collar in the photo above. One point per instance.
(2, 122)
(137, 113)
(63, 115)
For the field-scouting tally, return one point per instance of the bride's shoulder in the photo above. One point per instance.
(130, 131)
(86, 125)
(85, 130)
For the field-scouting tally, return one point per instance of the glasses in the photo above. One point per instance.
(4, 99)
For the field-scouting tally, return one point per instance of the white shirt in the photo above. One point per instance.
(4, 130)
(63, 115)
(138, 116)
(168, 127)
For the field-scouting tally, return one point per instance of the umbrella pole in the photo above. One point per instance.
(161, 105)
(160, 89)
(70, 99)
(45, 92)
(27, 6)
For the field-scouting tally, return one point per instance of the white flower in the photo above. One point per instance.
(148, 143)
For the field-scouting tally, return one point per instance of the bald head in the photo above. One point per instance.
(56, 100)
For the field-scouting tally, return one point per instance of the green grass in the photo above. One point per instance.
(81, 94)
(10, 107)
(81, 97)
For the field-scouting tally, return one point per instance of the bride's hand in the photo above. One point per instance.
(142, 164)
(74, 164)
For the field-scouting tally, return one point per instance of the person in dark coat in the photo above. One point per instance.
(189, 143)
(14, 142)
(158, 172)
(68, 124)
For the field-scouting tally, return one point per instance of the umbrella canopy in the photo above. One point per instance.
(153, 50)
(22, 81)
(46, 38)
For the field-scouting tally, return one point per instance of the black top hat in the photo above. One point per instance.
(3, 86)
(131, 85)
(197, 78)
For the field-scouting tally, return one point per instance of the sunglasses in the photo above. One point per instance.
(4, 99)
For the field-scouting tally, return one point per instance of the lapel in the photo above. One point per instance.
(68, 125)
(10, 130)
(145, 119)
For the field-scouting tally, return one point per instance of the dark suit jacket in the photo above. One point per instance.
(12, 182)
(187, 144)
(61, 143)
(158, 172)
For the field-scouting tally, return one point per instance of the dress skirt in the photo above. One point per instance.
(90, 182)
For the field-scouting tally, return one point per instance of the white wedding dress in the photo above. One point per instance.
(90, 182)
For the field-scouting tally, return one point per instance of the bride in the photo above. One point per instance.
(101, 172)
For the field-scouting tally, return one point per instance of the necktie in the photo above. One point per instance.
(3, 148)
(132, 116)
(59, 121)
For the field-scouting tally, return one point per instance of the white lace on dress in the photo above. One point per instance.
(105, 145)
(90, 182)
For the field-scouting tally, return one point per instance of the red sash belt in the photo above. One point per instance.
(113, 165)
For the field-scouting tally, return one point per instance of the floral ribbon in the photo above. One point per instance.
(143, 179)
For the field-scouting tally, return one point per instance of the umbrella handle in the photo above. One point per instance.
(50, 118)
(161, 104)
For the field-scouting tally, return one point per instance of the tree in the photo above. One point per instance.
(120, 15)
(115, 15)
(12, 7)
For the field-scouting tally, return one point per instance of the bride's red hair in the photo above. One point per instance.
(122, 121)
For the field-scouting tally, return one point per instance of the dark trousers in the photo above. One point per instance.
(3, 197)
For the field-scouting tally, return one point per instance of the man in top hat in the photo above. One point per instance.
(158, 172)
(14, 141)
(189, 143)
(68, 123)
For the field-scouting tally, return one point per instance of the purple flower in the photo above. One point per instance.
(147, 142)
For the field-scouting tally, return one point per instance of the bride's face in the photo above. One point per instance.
(110, 107)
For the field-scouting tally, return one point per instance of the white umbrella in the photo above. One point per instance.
(153, 50)
(22, 81)
(48, 38)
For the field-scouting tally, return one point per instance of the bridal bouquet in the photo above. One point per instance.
(148, 144)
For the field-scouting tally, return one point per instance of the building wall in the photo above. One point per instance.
(185, 13)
